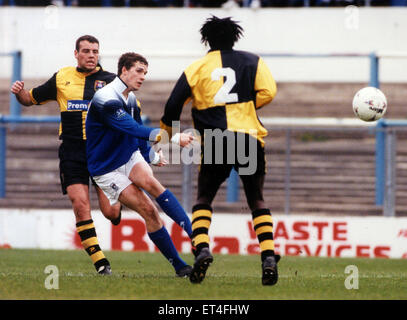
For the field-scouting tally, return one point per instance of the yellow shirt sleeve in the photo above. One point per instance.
(265, 85)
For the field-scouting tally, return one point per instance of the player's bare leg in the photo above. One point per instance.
(111, 212)
(134, 198)
(79, 196)
(142, 176)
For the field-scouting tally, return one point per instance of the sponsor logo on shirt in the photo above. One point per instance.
(78, 105)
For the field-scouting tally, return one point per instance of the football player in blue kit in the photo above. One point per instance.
(118, 154)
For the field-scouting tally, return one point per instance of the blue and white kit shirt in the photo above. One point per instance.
(114, 129)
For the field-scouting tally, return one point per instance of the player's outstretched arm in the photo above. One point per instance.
(183, 139)
(22, 95)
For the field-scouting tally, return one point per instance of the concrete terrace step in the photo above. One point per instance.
(292, 100)
(332, 172)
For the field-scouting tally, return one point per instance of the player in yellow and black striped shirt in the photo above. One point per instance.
(226, 87)
(73, 88)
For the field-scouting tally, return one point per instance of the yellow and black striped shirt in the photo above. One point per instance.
(73, 90)
(226, 88)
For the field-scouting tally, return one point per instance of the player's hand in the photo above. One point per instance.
(17, 87)
(183, 139)
(162, 161)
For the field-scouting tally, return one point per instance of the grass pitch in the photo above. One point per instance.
(148, 276)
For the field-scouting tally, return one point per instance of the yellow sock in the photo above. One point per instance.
(201, 221)
(87, 233)
(263, 226)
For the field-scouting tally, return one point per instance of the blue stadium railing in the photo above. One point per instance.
(15, 108)
(381, 130)
(15, 117)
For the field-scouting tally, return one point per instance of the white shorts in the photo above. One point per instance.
(114, 182)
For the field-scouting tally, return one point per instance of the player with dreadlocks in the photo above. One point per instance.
(226, 87)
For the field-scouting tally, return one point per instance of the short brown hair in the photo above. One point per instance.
(128, 60)
(86, 37)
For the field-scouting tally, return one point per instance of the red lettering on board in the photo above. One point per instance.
(281, 231)
(339, 231)
(309, 253)
(179, 236)
(362, 251)
(302, 233)
(230, 243)
(402, 233)
(252, 233)
(339, 250)
(379, 252)
(138, 231)
(77, 240)
(253, 248)
(320, 226)
(292, 250)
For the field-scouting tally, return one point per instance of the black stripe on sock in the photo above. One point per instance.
(260, 212)
(199, 231)
(265, 236)
(263, 224)
(86, 234)
(201, 218)
(85, 222)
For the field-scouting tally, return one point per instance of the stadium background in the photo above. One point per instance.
(326, 196)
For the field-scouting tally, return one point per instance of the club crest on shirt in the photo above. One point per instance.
(120, 113)
(99, 84)
(114, 186)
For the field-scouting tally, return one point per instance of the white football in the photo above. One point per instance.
(369, 104)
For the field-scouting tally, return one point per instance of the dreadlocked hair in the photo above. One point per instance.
(220, 33)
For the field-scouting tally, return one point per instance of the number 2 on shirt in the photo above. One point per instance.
(223, 95)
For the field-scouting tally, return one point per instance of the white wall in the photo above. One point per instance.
(230, 233)
(47, 35)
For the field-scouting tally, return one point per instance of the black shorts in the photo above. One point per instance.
(250, 165)
(73, 167)
(234, 150)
